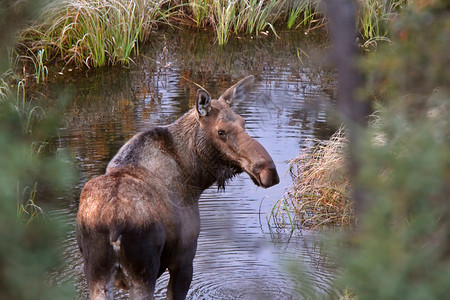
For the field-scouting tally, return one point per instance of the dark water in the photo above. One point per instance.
(239, 256)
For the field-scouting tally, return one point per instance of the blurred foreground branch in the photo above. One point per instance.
(341, 15)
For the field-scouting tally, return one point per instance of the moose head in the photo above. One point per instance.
(225, 130)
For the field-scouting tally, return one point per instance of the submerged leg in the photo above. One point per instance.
(101, 285)
(101, 290)
(180, 281)
(143, 290)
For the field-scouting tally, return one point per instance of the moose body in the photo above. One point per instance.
(141, 217)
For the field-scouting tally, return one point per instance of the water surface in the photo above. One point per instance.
(238, 256)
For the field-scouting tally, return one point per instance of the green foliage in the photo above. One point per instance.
(29, 239)
(109, 32)
(375, 17)
(94, 33)
(402, 245)
(304, 14)
(401, 249)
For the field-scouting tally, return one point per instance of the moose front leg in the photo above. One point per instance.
(180, 280)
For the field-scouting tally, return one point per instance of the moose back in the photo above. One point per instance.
(141, 217)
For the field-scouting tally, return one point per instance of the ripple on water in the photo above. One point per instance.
(238, 256)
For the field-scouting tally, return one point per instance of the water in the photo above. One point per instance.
(238, 256)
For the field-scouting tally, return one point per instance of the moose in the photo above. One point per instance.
(142, 216)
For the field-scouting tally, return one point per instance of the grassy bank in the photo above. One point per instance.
(407, 77)
(319, 195)
(109, 32)
(93, 33)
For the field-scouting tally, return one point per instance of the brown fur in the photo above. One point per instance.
(141, 217)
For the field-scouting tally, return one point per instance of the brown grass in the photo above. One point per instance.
(319, 194)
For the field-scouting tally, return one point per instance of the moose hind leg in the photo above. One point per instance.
(142, 248)
(99, 265)
(102, 290)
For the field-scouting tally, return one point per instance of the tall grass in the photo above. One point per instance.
(95, 33)
(374, 19)
(239, 16)
(320, 192)
(256, 16)
(26, 207)
(30, 67)
(108, 32)
(5, 90)
(199, 11)
(223, 14)
(304, 14)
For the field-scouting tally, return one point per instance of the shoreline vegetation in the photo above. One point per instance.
(319, 195)
(402, 150)
(90, 34)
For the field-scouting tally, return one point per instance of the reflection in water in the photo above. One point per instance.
(238, 256)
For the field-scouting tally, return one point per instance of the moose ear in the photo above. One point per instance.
(239, 91)
(203, 102)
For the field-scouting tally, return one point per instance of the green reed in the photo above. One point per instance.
(261, 14)
(374, 18)
(95, 33)
(255, 16)
(5, 90)
(200, 10)
(26, 203)
(224, 12)
(109, 32)
(303, 14)
(36, 61)
(239, 16)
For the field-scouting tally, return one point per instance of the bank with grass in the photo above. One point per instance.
(110, 32)
(320, 191)
(407, 77)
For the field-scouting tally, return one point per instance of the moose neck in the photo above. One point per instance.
(195, 154)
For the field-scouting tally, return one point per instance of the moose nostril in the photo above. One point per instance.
(269, 177)
(276, 178)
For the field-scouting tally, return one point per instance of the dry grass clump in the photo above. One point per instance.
(320, 191)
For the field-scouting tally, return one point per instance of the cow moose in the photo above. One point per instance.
(142, 216)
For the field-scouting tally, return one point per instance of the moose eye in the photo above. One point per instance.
(221, 133)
